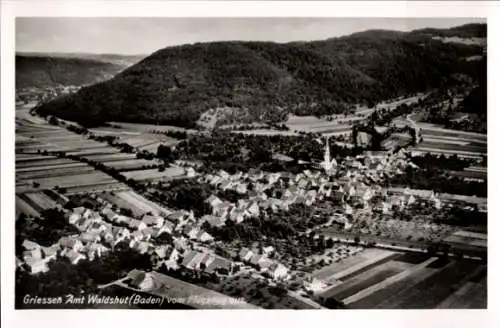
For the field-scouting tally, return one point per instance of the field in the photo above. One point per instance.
(131, 164)
(317, 125)
(413, 281)
(154, 174)
(134, 202)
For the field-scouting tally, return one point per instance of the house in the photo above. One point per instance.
(88, 237)
(142, 247)
(219, 264)
(165, 252)
(310, 199)
(35, 266)
(74, 218)
(213, 201)
(122, 219)
(136, 224)
(213, 221)
(256, 259)
(35, 253)
(191, 232)
(180, 218)
(245, 254)
(29, 245)
(237, 215)
(74, 257)
(142, 280)
(167, 227)
(154, 221)
(268, 250)
(136, 236)
(204, 236)
(277, 271)
(338, 196)
(222, 210)
(348, 210)
(206, 261)
(79, 210)
(120, 232)
(181, 244)
(192, 260)
(95, 251)
(71, 243)
(190, 172)
(253, 209)
(147, 233)
(50, 253)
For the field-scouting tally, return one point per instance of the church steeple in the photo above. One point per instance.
(327, 159)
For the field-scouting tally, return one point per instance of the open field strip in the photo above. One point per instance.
(104, 158)
(42, 161)
(57, 197)
(53, 173)
(348, 267)
(471, 234)
(383, 284)
(469, 154)
(476, 169)
(446, 141)
(104, 150)
(41, 200)
(24, 158)
(150, 127)
(469, 174)
(56, 166)
(131, 163)
(382, 297)
(266, 132)
(363, 280)
(62, 138)
(23, 207)
(97, 188)
(85, 179)
(152, 174)
(153, 148)
(434, 129)
(453, 239)
(37, 207)
(453, 147)
(103, 131)
(142, 203)
(432, 291)
(475, 297)
(459, 298)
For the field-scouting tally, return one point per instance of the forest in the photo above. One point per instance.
(175, 85)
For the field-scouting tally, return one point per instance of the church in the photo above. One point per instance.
(329, 165)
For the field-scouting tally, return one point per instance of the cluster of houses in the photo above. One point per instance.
(263, 263)
(101, 231)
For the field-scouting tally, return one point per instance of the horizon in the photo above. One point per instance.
(45, 35)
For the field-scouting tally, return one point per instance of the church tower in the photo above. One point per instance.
(327, 159)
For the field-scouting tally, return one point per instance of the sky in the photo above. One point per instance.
(129, 35)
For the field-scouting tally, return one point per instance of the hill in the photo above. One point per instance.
(41, 70)
(265, 80)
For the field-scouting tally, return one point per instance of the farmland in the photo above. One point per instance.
(134, 202)
(155, 174)
(411, 281)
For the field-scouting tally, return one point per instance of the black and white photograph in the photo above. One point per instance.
(287, 163)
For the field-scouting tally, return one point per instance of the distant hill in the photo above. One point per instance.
(48, 69)
(265, 80)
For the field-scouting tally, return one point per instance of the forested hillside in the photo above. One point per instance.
(46, 71)
(266, 80)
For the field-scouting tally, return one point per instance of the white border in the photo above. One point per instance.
(396, 318)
